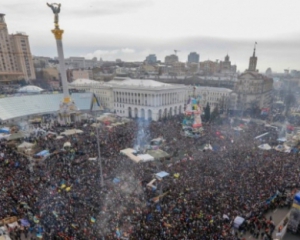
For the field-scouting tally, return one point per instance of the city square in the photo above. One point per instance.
(99, 149)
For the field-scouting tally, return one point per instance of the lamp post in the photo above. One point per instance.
(99, 156)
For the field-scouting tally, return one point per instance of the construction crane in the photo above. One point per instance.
(176, 51)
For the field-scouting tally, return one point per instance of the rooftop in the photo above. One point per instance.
(139, 83)
(81, 81)
(217, 89)
(21, 106)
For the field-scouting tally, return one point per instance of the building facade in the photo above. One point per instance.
(137, 98)
(193, 57)
(224, 98)
(15, 55)
(81, 63)
(23, 55)
(226, 67)
(253, 89)
(209, 67)
(76, 74)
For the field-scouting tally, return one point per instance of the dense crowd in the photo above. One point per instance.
(62, 198)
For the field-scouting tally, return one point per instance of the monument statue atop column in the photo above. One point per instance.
(56, 10)
(68, 111)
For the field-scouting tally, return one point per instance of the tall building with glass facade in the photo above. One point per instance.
(193, 57)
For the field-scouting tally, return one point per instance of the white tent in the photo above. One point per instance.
(30, 89)
(4, 136)
(131, 153)
(161, 175)
(238, 221)
(238, 128)
(26, 145)
(67, 144)
(207, 147)
(265, 146)
(146, 157)
(283, 148)
(71, 132)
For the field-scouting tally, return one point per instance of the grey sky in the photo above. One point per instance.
(132, 29)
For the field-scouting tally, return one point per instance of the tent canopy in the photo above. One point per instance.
(158, 153)
(283, 148)
(206, 147)
(265, 146)
(5, 130)
(67, 144)
(131, 153)
(26, 145)
(43, 153)
(71, 132)
(283, 139)
(15, 136)
(238, 221)
(162, 174)
(237, 128)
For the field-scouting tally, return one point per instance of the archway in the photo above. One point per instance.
(73, 118)
(129, 112)
(171, 112)
(159, 114)
(143, 113)
(175, 110)
(149, 114)
(136, 113)
(165, 113)
(180, 109)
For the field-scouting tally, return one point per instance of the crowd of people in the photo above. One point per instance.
(62, 196)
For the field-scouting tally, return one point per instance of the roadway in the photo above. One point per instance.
(290, 236)
(277, 215)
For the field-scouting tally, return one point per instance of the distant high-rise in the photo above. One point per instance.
(226, 67)
(16, 61)
(193, 57)
(171, 59)
(151, 58)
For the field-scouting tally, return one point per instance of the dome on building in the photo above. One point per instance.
(82, 81)
(30, 89)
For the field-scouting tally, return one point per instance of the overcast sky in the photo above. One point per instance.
(132, 29)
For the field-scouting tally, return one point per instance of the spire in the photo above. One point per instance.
(253, 60)
(254, 49)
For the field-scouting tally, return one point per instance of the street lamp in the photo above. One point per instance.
(99, 155)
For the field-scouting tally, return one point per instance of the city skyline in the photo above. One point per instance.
(131, 29)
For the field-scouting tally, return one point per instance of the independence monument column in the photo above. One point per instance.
(67, 110)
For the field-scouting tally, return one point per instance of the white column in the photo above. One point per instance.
(153, 100)
(167, 98)
(62, 68)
